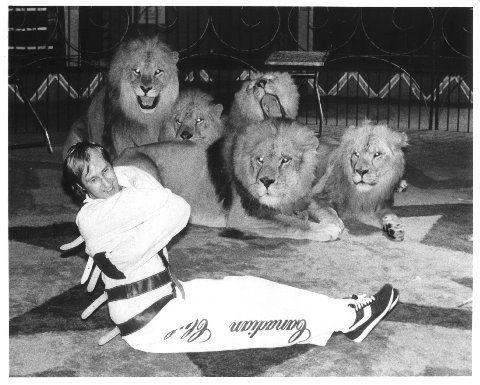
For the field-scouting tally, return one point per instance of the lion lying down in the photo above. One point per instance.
(258, 180)
(362, 175)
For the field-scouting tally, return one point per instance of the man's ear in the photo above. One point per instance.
(79, 187)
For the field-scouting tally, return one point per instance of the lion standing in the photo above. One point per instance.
(141, 89)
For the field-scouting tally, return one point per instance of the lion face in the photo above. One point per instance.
(275, 161)
(264, 96)
(146, 81)
(194, 118)
(146, 78)
(375, 156)
(145, 71)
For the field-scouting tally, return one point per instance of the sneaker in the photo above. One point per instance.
(370, 310)
(394, 301)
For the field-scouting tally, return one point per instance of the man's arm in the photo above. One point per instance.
(131, 176)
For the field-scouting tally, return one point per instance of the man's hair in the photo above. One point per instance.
(77, 158)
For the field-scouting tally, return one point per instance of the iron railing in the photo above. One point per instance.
(408, 67)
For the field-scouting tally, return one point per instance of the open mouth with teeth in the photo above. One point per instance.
(147, 102)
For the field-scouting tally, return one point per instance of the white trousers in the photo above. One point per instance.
(242, 313)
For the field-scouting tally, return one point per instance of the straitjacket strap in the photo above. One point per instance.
(141, 319)
(134, 289)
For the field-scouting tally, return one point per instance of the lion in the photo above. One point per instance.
(362, 174)
(194, 117)
(141, 89)
(265, 95)
(258, 180)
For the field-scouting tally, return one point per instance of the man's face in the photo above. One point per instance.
(99, 177)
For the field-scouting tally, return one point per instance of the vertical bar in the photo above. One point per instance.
(147, 11)
(388, 98)
(78, 68)
(57, 103)
(469, 109)
(337, 100)
(378, 95)
(368, 95)
(319, 105)
(433, 81)
(14, 104)
(436, 74)
(399, 100)
(47, 100)
(303, 27)
(35, 72)
(178, 29)
(448, 99)
(348, 98)
(420, 99)
(458, 108)
(72, 29)
(197, 10)
(357, 99)
(327, 97)
(307, 87)
(14, 109)
(309, 29)
(409, 99)
(25, 108)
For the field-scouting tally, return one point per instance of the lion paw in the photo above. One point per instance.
(393, 229)
(325, 233)
(402, 186)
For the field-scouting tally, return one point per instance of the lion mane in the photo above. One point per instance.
(265, 95)
(258, 180)
(141, 88)
(363, 172)
(194, 117)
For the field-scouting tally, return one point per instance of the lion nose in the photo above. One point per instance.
(261, 83)
(361, 171)
(267, 181)
(185, 135)
(145, 89)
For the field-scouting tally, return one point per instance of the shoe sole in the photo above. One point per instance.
(395, 301)
(374, 323)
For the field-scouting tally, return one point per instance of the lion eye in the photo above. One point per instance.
(136, 71)
(356, 154)
(260, 160)
(178, 121)
(158, 72)
(286, 160)
(377, 154)
(199, 120)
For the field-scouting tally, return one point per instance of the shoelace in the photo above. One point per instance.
(359, 302)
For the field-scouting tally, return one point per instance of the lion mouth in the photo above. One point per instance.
(271, 107)
(363, 186)
(270, 200)
(147, 102)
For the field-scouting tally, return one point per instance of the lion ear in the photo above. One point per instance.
(310, 142)
(403, 139)
(174, 56)
(217, 109)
